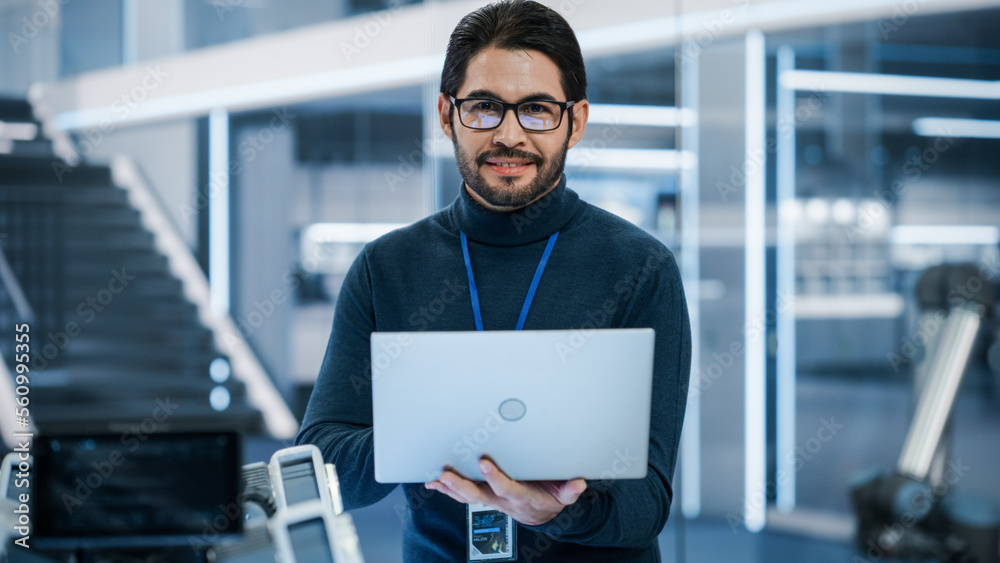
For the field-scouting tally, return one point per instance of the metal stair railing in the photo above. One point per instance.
(9, 281)
(23, 313)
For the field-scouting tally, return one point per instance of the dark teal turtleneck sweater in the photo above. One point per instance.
(603, 272)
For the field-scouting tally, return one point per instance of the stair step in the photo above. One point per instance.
(50, 171)
(102, 216)
(75, 229)
(180, 361)
(16, 110)
(138, 385)
(110, 238)
(94, 193)
(194, 336)
(61, 371)
(189, 415)
(140, 260)
(195, 340)
(152, 265)
(135, 242)
(37, 148)
(168, 315)
(142, 359)
(143, 284)
(122, 372)
(142, 305)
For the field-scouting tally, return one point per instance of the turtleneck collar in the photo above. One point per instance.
(532, 223)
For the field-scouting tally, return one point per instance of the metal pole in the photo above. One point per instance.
(9, 280)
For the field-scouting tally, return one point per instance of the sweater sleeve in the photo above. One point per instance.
(632, 512)
(338, 418)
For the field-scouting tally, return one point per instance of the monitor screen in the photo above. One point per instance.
(116, 490)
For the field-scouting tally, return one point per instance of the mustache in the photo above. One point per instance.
(508, 153)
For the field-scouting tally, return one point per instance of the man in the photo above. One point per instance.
(513, 100)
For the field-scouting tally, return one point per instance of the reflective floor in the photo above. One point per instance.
(872, 417)
(704, 540)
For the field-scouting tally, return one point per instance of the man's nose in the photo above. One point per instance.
(509, 133)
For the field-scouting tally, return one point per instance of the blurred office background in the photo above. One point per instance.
(806, 161)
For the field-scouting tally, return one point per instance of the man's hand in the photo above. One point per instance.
(528, 502)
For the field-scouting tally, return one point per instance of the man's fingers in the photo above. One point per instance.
(466, 489)
(570, 491)
(529, 503)
(443, 489)
(499, 482)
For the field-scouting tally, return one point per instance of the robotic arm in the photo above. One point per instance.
(899, 515)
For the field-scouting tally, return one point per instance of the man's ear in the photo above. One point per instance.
(444, 110)
(581, 110)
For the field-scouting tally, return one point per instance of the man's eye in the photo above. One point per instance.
(485, 106)
(538, 109)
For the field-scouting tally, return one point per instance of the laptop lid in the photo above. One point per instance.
(544, 405)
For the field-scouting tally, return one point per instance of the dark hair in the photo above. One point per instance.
(515, 25)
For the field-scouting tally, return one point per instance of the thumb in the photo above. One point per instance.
(570, 491)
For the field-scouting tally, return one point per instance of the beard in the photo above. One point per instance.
(508, 194)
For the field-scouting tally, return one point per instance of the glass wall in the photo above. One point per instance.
(888, 179)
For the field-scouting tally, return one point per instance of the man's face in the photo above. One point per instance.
(508, 167)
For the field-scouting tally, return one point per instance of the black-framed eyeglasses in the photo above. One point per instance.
(533, 115)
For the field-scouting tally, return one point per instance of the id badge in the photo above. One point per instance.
(491, 534)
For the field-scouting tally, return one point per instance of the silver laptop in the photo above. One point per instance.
(543, 405)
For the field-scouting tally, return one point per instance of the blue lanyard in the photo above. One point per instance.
(531, 289)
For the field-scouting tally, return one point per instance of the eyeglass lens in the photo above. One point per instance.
(487, 114)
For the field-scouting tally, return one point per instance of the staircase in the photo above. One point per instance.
(114, 340)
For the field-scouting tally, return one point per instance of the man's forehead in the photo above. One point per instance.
(513, 74)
